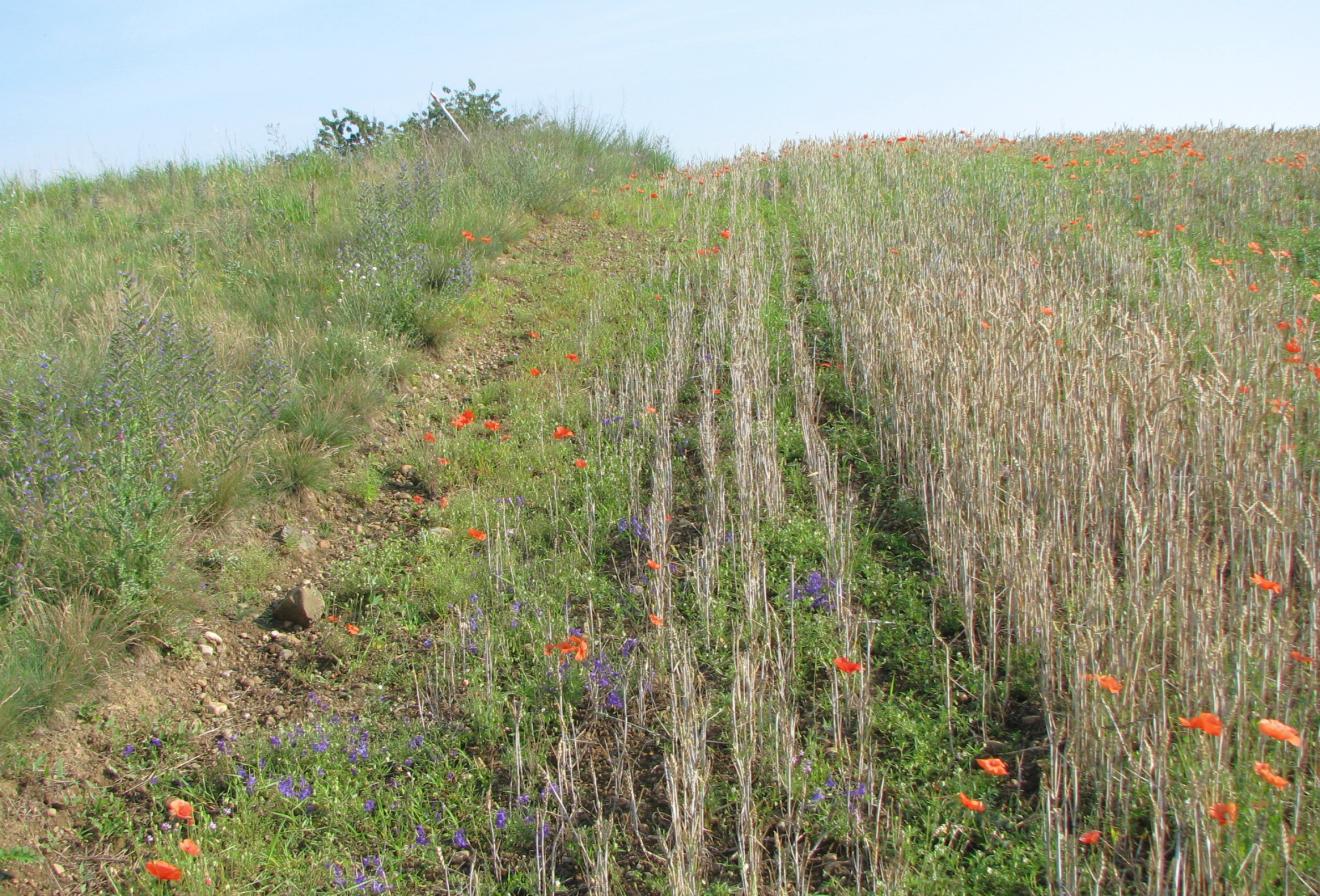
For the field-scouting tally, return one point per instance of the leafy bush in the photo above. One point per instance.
(342, 134)
(472, 108)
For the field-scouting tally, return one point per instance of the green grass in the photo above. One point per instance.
(309, 286)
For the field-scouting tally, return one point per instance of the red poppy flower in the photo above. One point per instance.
(1208, 722)
(190, 846)
(580, 463)
(1270, 776)
(575, 646)
(572, 356)
(164, 870)
(656, 619)
(428, 437)
(352, 629)
(1292, 346)
(1268, 585)
(477, 534)
(468, 235)
(1300, 657)
(846, 666)
(1280, 731)
(532, 334)
(563, 432)
(492, 425)
(725, 233)
(181, 809)
(1090, 838)
(974, 805)
(993, 765)
(1108, 682)
(653, 564)
(535, 371)
(418, 499)
(1224, 813)
(486, 240)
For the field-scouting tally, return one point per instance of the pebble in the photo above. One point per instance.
(213, 637)
(207, 650)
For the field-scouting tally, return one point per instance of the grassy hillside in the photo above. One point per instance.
(902, 515)
(176, 343)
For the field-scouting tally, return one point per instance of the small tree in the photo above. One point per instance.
(474, 110)
(344, 133)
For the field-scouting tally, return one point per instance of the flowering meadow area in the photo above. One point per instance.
(884, 514)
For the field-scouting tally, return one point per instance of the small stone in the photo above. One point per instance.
(295, 539)
(58, 869)
(213, 637)
(215, 707)
(207, 650)
(323, 544)
(302, 606)
(292, 640)
(286, 655)
(52, 811)
(406, 470)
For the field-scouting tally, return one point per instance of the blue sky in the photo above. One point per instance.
(92, 85)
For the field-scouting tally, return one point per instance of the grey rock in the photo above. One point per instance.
(295, 539)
